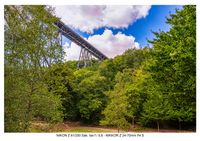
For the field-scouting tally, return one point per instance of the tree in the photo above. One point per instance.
(183, 33)
(60, 81)
(156, 108)
(28, 99)
(136, 91)
(108, 70)
(134, 58)
(30, 45)
(91, 97)
(116, 113)
(71, 64)
(173, 65)
(83, 73)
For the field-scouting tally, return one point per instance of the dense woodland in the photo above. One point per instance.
(151, 87)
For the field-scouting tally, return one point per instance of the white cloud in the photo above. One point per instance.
(66, 45)
(87, 18)
(72, 51)
(108, 43)
(112, 45)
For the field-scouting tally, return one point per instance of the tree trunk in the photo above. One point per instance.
(133, 122)
(29, 107)
(158, 126)
(179, 123)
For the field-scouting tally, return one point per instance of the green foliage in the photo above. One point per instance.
(59, 78)
(172, 68)
(157, 108)
(163, 86)
(82, 74)
(71, 64)
(108, 69)
(29, 30)
(27, 99)
(133, 58)
(136, 92)
(30, 45)
(45, 99)
(91, 97)
(174, 55)
(116, 112)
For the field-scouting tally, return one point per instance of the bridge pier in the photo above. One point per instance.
(85, 59)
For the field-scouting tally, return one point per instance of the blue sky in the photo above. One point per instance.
(141, 29)
(114, 29)
(155, 21)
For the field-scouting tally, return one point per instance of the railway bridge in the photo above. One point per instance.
(88, 51)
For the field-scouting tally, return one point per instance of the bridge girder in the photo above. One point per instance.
(86, 47)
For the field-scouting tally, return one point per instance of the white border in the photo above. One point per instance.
(52, 136)
(99, 2)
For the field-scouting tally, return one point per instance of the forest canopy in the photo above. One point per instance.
(151, 87)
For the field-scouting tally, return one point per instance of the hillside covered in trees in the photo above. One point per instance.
(151, 87)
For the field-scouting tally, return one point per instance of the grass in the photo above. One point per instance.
(139, 128)
(85, 129)
(38, 127)
(41, 127)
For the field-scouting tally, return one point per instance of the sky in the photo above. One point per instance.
(113, 29)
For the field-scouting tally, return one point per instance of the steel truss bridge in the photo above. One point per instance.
(87, 52)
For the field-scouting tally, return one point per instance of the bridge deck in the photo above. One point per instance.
(74, 37)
